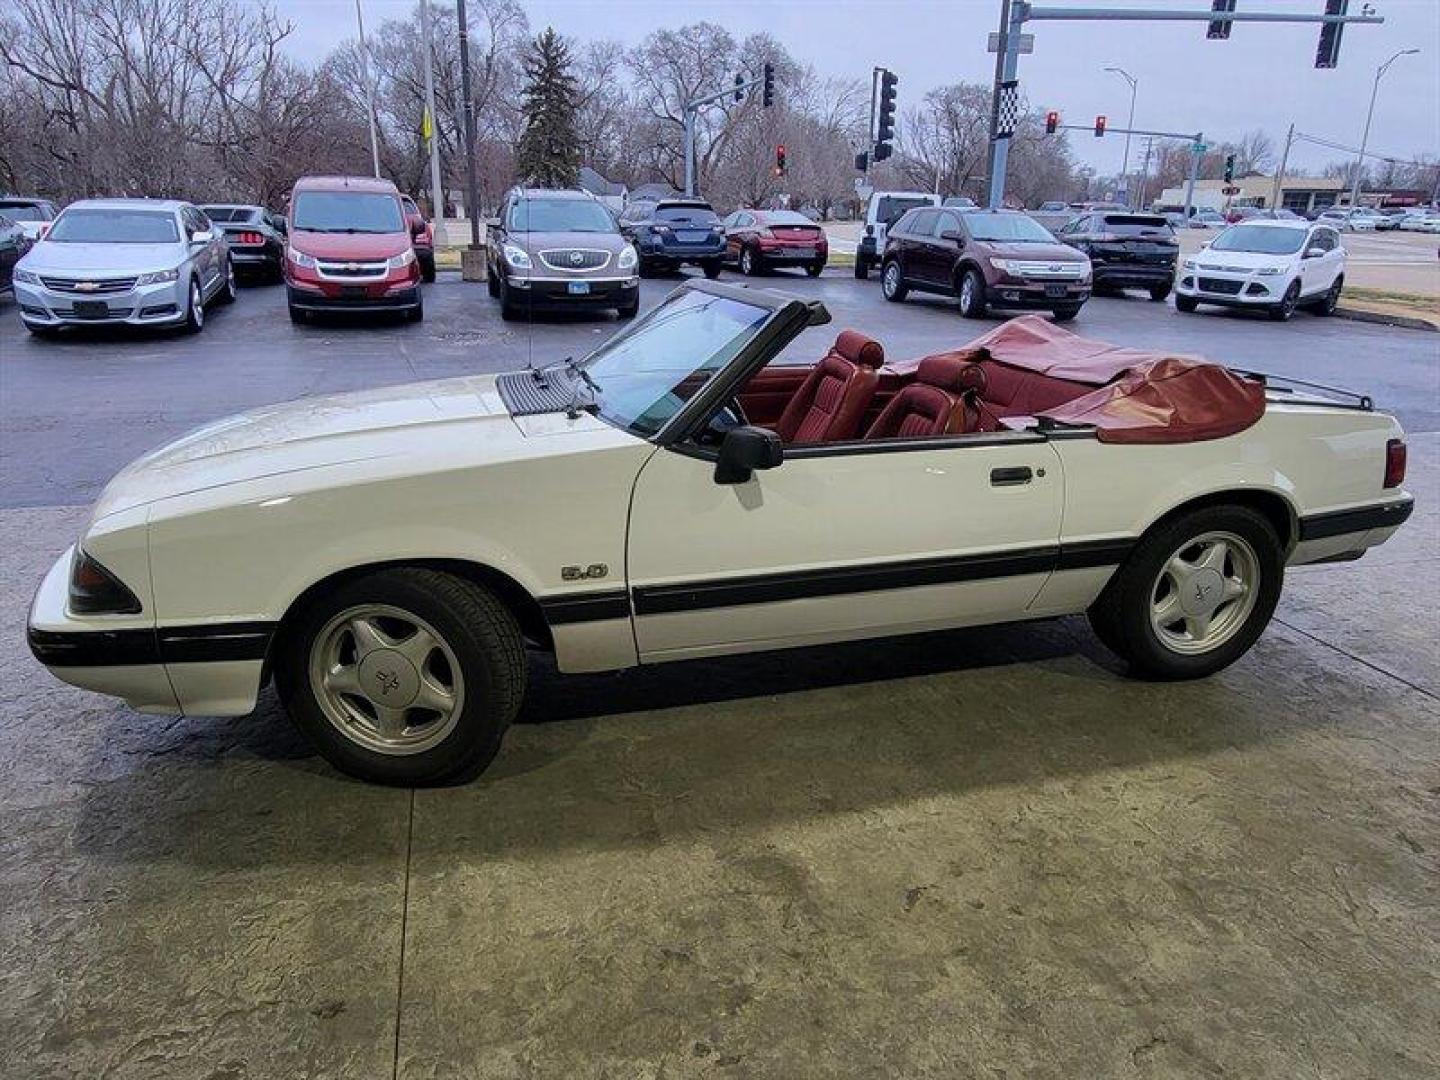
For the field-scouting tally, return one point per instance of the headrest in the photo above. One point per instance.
(951, 371)
(859, 349)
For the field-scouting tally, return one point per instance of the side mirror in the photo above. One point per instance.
(746, 449)
(1315, 253)
(492, 222)
(201, 236)
(282, 226)
(954, 236)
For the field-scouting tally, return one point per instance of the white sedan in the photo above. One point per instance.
(1271, 266)
(386, 556)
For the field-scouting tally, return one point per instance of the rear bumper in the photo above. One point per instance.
(675, 254)
(1132, 273)
(793, 253)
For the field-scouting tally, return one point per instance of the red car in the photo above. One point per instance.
(756, 240)
(350, 249)
(423, 237)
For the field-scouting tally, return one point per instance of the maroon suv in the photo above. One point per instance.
(985, 258)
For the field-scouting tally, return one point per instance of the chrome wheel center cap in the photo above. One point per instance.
(1202, 592)
(388, 679)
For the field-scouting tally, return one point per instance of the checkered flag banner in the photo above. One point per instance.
(1009, 112)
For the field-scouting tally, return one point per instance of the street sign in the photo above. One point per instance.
(863, 189)
(1201, 148)
(1027, 43)
(1230, 191)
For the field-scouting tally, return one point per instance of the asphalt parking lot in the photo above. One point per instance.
(971, 854)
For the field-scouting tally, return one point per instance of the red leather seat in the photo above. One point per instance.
(829, 404)
(934, 404)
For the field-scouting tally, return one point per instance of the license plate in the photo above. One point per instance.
(91, 309)
(353, 292)
(802, 252)
(1055, 291)
(579, 288)
(692, 236)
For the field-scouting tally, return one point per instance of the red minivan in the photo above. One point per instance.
(349, 249)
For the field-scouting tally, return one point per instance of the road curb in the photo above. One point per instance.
(1384, 318)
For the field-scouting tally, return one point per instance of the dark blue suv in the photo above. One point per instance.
(669, 233)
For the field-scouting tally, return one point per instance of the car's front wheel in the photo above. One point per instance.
(1066, 313)
(427, 269)
(406, 676)
(1194, 594)
(1282, 311)
(1184, 303)
(195, 309)
(892, 282)
(1159, 293)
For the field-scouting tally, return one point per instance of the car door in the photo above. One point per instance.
(737, 233)
(10, 250)
(1332, 263)
(1315, 276)
(840, 541)
(919, 253)
(202, 251)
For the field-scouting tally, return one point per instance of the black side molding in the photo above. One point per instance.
(1360, 519)
(170, 645)
(585, 607)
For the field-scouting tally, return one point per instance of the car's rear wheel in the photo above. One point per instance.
(195, 309)
(406, 676)
(892, 282)
(1159, 292)
(712, 268)
(1187, 304)
(971, 293)
(1194, 594)
(1331, 300)
(815, 269)
(228, 289)
(862, 267)
(1282, 311)
(750, 264)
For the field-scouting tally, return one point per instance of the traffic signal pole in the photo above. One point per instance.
(692, 109)
(1197, 148)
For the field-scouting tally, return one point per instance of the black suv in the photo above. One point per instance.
(1126, 250)
(669, 233)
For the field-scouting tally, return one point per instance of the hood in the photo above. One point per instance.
(359, 247)
(1056, 252)
(320, 432)
(102, 260)
(1239, 260)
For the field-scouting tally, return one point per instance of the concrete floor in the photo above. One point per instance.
(976, 854)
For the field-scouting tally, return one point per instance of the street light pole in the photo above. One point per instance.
(1370, 115)
(437, 190)
(369, 90)
(1125, 167)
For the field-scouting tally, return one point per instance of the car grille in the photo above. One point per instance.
(1055, 270)
(575, 259)
(89, 286)
(1220, 285)
(1215, 268)
(352, 271)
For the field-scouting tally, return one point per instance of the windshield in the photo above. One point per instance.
(114, 227)
(230, 213)
(560, 215)
(1007, 228)
(644, 377)
(348, 212)
(889, 208)
(22, 212)
(697, 215)
(1260, 239)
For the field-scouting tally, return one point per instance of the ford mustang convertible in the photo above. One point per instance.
(387, 557)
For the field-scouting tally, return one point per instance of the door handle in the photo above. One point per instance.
(1013, 476)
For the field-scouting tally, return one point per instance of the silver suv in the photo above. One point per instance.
(135, 262)
(559, 250)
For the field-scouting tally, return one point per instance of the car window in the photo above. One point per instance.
(1135, 225)
(1324, 239)
(348, 212)
(642, 378)
(948, 223)
(686, 213)
(5, 222)
(23, 212)
(889, 208)
(410, 206)
(559, 215)
(923, 223)
(786, 217)
(114, 226)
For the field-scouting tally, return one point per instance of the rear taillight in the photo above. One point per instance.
(96, 591)
(251, 238)
(1394, 463)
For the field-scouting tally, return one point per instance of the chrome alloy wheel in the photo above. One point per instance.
(891, 280)
(386, 679)
(1204, 593)
(967, 293)
(197, 304)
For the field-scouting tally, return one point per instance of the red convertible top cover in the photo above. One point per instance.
(1142, 397)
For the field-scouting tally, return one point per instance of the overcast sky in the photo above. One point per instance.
(1264, 76)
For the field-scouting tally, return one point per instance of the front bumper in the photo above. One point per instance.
(1233, 289)
(557, 293)
(143, 305)
(404, 297)
(1012, 293)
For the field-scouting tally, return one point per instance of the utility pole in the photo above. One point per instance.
(1275, 190)
(1007, 63)
(1125, 168)
(1197, 151)
(1139, 202)
(1370, 115)
(472, 187)
(437, 191)
(369, 91)
(994, 95)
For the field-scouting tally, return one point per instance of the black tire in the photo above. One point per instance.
(49, 333)
(862, 267)
(972, 300)
(492, 283)
(427, 269)
(1121, 615)
(1159, 293)
(509, 311)
(1187, 304)
(751, 264)
(630, 310)
(1327, 304)
(298, 316)
(416, 313)
(1282, 311)
(1065, 314)
(892, 282)
(712, 267)
(194, 309)
(487, 644)
(228, 291)
(815, 269)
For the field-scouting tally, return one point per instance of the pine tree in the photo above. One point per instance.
(549, 154)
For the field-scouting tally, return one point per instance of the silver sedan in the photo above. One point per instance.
(134, 262)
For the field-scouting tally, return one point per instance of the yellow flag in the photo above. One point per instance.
(427, 127)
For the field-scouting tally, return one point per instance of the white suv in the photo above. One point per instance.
(1275, 266)
(884, 209)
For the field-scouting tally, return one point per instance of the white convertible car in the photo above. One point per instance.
(388, 555)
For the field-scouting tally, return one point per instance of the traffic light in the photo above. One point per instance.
(780, 160)
(1328, 53)
(739, 82)
(1099, 126)
(1220, 30)
(1229, 168)
(768, 98)
(1052, 121)
(885, 130)
(862, 161)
